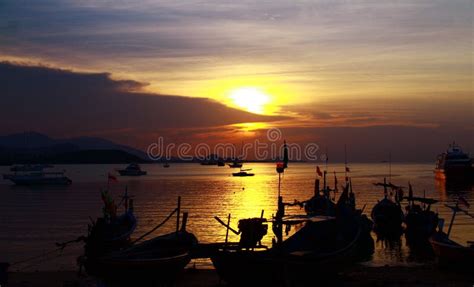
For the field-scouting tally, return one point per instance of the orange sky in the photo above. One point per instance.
(311, 64)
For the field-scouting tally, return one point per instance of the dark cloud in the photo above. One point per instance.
(61, 102)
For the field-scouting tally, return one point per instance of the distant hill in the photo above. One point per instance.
(33, 147)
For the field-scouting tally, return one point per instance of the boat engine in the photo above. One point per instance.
(252, 231)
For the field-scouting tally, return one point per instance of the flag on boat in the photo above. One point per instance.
(319, 171)
(280, 167)
(112, 178)
(463, 201)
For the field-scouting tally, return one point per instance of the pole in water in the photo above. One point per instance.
(390, 167)
(279, 184)
(178, 214)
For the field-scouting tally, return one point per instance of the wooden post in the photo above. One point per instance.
(316, 187)
(178, 214)
(185, 220)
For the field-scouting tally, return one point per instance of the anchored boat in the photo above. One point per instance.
(158, 260)
(454, 165)
(387, 214)
(132, 169)
(322, 245)
(38, 178)
(448, 252)
(419, 219)
(243, 173)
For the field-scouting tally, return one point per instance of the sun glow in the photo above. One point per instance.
(251, 99)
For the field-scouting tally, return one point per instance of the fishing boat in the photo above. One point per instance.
(454, 165)
(321, 246)
(166, 165)
(419, 219)
(220, 163)
(387, 214)
(449, 253)
(321, 203)
(159, 259)
(111, 231)
(38, 178)
(132, 169)
(243, 173)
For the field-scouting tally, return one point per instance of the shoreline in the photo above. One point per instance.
(427, 275)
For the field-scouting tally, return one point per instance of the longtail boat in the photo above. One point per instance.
(448, 252)
(322, 246)
(387, 214)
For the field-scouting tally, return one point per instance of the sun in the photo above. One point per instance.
(251, 99)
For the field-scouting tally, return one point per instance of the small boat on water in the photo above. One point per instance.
(38, 178)
(220, 163)
(30, 167)
(132, 169)
(166, 165)
(454, 165)
(235, 164)
(449, 253)
(387, 214)
(243, 173)
(419, 219)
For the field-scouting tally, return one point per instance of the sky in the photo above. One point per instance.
(377, 76)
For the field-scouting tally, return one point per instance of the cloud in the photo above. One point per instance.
(62, 102)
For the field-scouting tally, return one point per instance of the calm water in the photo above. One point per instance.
(33, 219)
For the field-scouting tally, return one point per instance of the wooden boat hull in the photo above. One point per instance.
(450, 253)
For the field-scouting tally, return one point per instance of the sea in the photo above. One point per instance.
(34, 219)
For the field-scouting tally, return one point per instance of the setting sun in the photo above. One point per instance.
(250, 99)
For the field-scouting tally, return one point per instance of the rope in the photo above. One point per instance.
(156, 227)
(37, 256)
(60, 248)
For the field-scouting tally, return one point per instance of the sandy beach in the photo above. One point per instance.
(357, 276)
